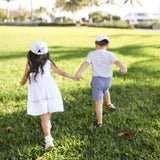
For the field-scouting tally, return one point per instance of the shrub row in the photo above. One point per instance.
(118, 24)
(115, 24)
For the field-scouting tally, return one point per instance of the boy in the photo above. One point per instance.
(101, 61)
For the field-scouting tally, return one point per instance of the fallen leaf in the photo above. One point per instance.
(147, 79)
(39, 158)
(129, 132)
(122, 133)
(8, 129)
(139, 129)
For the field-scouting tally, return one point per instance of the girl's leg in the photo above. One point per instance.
(107, 97)
(45, 118)
(99, 111)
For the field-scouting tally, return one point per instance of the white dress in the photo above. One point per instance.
(43, 94)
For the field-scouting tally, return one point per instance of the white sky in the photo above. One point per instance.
(150, 6)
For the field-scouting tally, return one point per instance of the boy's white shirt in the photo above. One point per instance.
(101, 61)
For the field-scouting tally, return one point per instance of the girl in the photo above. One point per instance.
(44, 96)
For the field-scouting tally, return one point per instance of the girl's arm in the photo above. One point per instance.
(25, 76)
(122, 67)
(60, 72)
(83, 66)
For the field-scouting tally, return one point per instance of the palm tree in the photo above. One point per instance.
(71, 5)
(132, 2)
(112, 2)
(8, 10)
(90, 3)
(61, 4)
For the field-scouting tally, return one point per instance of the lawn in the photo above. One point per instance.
(135, 94)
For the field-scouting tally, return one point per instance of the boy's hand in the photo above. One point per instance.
(123, 69)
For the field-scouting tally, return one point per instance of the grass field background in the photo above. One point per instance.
(135, 94)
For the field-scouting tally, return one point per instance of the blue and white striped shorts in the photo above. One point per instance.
(99, 87)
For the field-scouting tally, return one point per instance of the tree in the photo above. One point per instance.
(2, 15)
(112, 2)
(61, 5)
(69, 5)
(90, 4)
(132, 2)
(8, 9)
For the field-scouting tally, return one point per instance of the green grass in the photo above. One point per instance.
(135, 94)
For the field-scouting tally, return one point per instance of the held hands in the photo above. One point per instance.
(76, 77)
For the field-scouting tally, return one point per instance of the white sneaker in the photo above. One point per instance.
(49, 145)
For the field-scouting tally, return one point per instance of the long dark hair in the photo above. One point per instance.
(37, 62)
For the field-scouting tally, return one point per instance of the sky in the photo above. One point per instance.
(150, 6)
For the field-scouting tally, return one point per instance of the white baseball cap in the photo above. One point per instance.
(39, 47)
(102, 37)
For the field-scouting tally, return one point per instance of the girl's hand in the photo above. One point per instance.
(78, 76)
(75, 79)
(25, 76)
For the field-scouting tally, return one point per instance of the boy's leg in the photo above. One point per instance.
(107, 97)
(99, 110)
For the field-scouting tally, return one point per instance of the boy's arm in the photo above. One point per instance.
(122, 67)
(81, 69)
(25, 76)
(55, 69)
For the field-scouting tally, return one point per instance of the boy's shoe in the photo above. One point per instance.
(99, 125)
(49, 144)
(111, 107)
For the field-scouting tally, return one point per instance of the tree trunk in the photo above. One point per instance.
(7, 11)
(31, 10)
(90, 18)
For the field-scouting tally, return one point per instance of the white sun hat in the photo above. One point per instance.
(102, 37)
(39, 47)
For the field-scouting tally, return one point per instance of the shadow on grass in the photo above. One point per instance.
(74, 131)
(134, 50)
(62, 53)
(57, 52)
(12, 55)
(142, 70)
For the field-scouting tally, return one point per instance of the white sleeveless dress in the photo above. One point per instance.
(43, 94)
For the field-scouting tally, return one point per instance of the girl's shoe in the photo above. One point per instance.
(111, 107)
(49, 145)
